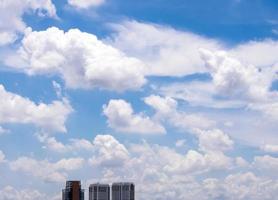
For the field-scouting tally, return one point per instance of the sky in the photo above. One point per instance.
(179, 97)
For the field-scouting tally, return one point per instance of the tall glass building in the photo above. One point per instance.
(99, 192)
(73, 191)
(123, 191)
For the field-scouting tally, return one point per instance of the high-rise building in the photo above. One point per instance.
(123, 191)
(73, 191)
(99, 192)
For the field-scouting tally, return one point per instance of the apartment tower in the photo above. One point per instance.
(123, 191)
(73, 191)
(99, 192)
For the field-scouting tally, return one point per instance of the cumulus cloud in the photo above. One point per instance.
(17, 109)
(155, 168)
(214, 140)
(80, 58)
(12, 11)
(234, 79)
(121, 117)
(75, 144)
(271, 148)
(168, 52)
(108, 152)
(10, 193)
(259, 53)
(84, 4)
(266, 162)
(240, 186)
(198, 93)
(167, 109)
(180, 143)
(45, 170)
(161, 172)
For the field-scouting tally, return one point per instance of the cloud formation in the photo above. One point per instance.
(45, 170)
(167, 52)
(108, 152)
(18, 109)
(84, 4)
(12, 11)
(121, 117)
(80, 58)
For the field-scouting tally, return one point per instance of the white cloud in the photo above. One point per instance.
(234, 79)
(159, 172)
(240, 186)
(269, 109)
(214, 140)
(259, 53)
(84, 4)
(108, 152)
(122, 118)
(267, 163)
(58, 89)
(79, 58)
(180, 143)
(18, 109)
(166, 51)
(166, 109)
(171, 52)
(74, 145)
(45, 170)
(10, 193)
(271, 148)
(3, 131)
(12, 11)
(241, 162)
(2, 157)
(198, 93)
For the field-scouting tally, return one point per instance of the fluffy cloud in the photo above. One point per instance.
(18, 109)
(240, 186)
(52, 144)
(122, 118)
(266, 162)
(155, 168)
(85, 3)
(180, 143)
(10, 193)
(166, 109)
(235, 81)
(45, 170)
(80, 59)
(269, 109)
(198, 93)
(214, 140)
(176, 53)
(160, 172)
(108, 152)
(2, 157)
(229, 74)
(259, 53)
(167, 51)
(271, 148)
(12, 11)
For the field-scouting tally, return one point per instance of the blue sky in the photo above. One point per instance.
(179, 97)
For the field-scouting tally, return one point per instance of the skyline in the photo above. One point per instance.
(180, 97)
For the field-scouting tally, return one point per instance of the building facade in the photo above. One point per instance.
(99, 192)
(123, 191)
(73, 191)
